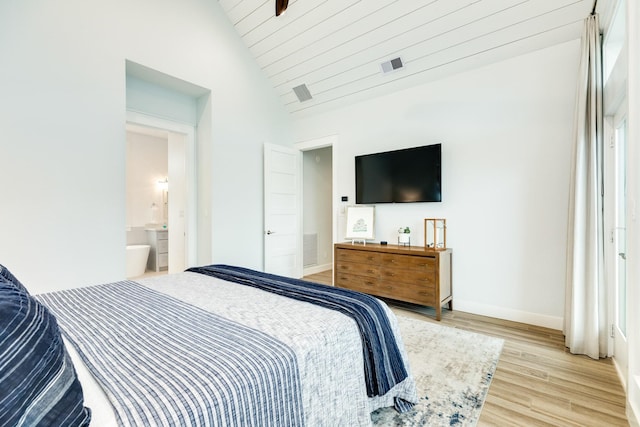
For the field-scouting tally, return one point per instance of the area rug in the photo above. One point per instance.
(453, 370)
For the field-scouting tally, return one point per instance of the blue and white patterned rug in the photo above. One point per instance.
(453, 371)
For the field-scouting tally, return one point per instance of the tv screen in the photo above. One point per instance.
(400, 176)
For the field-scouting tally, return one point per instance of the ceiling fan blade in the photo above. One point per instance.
(281, 6)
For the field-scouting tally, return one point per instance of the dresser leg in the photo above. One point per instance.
(438, 312)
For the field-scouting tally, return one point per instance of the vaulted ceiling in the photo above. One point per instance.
(336, 47)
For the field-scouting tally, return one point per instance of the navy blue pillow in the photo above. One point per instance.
(6, 274)
(39, 382)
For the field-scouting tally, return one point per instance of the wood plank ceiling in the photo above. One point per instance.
(336, 47)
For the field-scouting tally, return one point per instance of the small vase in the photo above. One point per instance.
(404, 238)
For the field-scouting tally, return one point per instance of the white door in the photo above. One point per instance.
(620, 241)
(177, 201)
(282, 211)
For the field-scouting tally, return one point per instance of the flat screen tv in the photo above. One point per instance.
(400, 176)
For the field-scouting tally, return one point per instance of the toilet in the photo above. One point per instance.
(137, 256)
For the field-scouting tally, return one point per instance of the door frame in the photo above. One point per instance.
(618, 342)
(314, 144)
(141, 119)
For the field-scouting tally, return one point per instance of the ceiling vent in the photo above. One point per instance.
(393, 65)
(302, 92)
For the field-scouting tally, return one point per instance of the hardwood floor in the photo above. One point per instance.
(537, 382)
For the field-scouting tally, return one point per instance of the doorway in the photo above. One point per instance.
(317, 216)
(160, 101)
(160, 181)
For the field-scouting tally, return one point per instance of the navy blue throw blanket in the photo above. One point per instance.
(383, 364)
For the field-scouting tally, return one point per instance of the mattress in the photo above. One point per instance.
(327, 345)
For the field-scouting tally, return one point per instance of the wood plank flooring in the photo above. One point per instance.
(537, 382)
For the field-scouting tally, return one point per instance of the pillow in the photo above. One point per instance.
(6, 274)
(39, 383)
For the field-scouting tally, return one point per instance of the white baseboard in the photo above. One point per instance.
(552, 322)
(621, 375)
(316, 269)
(631, 417)
(633, 402)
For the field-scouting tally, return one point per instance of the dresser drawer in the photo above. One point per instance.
(358, 269)
(394, 261)
(416, 295)
(408, 262)
(419, 277)
(357, 283)
(358, 256)
(421, 263)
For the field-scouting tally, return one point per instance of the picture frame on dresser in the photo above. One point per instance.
(360, 223)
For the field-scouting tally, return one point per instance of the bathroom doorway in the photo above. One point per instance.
(166, 103)
(157, 190)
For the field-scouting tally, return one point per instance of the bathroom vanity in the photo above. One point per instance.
(159, 254)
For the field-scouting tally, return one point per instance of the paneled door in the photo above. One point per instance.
(620, 242)
(282, 210)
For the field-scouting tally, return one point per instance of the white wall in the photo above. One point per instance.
(153, 99)
(506, 133)
(147, 163)
(62, 113)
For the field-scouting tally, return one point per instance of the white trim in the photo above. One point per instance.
(137, 118)
(322, 142)
(316, 269)
(622, 376)
(632, 410)
(313, 144)
(552, 322)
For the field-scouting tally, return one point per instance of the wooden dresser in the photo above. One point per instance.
(405, 273)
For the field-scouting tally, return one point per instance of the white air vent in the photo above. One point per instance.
(393, 65)
(302, 92)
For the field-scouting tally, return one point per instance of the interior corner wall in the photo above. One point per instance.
(506, 131)
(63, 114)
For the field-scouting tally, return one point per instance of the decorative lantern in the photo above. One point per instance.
(435, 233)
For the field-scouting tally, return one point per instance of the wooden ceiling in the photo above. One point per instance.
(336, 47)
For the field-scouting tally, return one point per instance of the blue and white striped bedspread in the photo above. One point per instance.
(384, 367)
(167, 363)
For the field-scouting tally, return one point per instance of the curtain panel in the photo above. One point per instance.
(585, 319)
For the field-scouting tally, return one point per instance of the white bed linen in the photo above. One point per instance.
(331, 366)
(102, 414)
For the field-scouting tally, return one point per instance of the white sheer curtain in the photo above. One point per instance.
(585, 319)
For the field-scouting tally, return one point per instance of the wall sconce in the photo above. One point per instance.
(164, 185)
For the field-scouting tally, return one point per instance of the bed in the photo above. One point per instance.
(218, 345)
